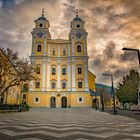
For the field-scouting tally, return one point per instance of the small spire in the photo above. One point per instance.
(43, 12)
(76, 12)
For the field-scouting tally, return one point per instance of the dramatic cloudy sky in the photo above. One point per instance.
(111, 25)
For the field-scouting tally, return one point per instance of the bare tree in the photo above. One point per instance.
(13, 70)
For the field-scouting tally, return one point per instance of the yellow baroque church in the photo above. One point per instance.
(61, 67)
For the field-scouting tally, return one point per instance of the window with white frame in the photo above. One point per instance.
(37, 100)
(80, 99)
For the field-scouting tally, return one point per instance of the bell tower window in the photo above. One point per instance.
(79, 48)
(39, 48)
(78, 26)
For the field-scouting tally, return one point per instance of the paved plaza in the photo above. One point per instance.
(67, 124)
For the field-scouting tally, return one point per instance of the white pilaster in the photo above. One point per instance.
(49, 49)
(85, 46)
(73, 78)
(58, 75)
(44, 45)
(58, 50)
(48, 75)
(72, 47)
(69, 76)
(43, 76)
(86, 74)
(68, 50)
(31, 86)
(33, 45)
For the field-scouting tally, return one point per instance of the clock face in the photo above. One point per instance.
(40, 34)
(78, 35)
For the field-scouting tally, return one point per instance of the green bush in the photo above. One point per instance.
(8, 106)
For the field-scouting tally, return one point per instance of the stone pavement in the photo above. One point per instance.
(67, 124)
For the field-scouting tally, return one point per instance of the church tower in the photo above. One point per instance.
(40, 34)
(78, 38)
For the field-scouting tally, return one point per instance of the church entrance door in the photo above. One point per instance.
(52, 102)
(64, 102)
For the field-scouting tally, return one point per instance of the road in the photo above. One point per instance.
(67, 124)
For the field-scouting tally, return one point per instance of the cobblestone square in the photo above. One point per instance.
(67, 124)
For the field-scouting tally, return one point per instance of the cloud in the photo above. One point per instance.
(111, 25)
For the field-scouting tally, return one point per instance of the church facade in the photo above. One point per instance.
(60, 67)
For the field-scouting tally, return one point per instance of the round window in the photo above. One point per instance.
(40, 24)
(78, 26)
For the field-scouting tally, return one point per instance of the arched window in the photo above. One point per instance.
(53, 51)
(64, 70)
(39, 48)
(79, 48)
(64, 51)
(53, 70)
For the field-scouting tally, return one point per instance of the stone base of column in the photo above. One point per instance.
(43, 89)
(86, 89)
(73, 89)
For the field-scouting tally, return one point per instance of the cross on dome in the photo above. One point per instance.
(43, 12)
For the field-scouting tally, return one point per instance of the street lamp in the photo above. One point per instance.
(112, 91)
(138, 52)
(135, 50)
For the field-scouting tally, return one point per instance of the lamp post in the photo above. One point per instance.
(112, 91)
(138, 52)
